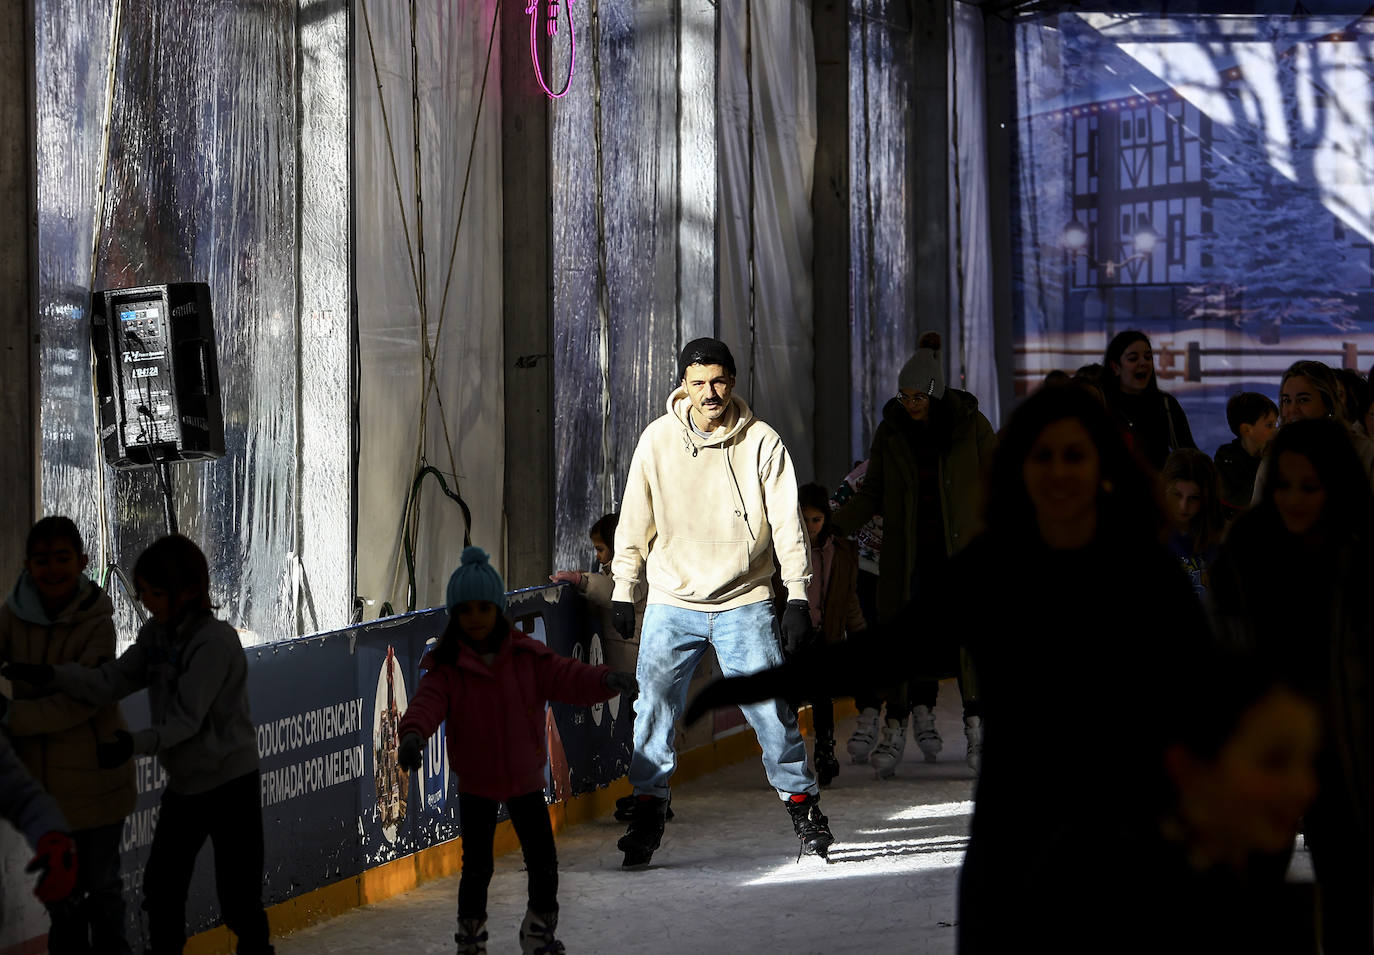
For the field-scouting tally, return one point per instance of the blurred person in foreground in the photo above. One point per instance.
(1091, 622)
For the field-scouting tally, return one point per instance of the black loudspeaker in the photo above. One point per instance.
(157, 375)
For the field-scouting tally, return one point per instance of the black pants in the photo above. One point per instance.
(924, 693)
(230, 816)
(92, 919)
(823, 714)
(867, 592)
(529, 814)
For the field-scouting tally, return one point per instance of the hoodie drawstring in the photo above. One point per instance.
(742, 511)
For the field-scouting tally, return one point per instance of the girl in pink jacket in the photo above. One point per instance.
(491, 683)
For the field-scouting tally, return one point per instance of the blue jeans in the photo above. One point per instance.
(671, 644)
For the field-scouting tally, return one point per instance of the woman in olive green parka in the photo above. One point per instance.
(925, 477)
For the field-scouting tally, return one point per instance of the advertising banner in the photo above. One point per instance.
(335, 801)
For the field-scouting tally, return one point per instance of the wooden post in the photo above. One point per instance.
(527, 309)
(830, 262)
(18, 282)
(928, 164)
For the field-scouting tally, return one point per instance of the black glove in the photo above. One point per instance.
(796, 626)
(411, 752)
(779, 682)
(56, 859)
(35, 674)
(623, 683)
(110, 755)
(623, 618)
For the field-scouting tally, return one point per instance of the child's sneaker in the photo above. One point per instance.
(537, 934)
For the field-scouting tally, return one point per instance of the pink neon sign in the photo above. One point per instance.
(551, 25)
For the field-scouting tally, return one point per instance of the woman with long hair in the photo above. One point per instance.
(1311, 391)
(1153, 422)
(925, 478)
(1288, 588)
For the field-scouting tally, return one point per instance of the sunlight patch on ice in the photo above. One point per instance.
(859, 859)
(934, 811)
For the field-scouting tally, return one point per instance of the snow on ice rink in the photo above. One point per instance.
(726, 878)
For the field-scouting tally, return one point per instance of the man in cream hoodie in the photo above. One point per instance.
(710, 498)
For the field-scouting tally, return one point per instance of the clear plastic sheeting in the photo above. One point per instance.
(200, 185)
(883, 328)
(428, 278)
(1207, 180)
(767, 155)
(969, 351)
(621, 140)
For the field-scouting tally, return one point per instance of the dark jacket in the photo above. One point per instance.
(841, 614)
(1074, 620)
(966, 442)
(1237, 468)
(1153, 423)
(1173, 906)
(1317, 630)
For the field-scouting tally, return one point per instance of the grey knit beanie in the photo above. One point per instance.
(923, 372)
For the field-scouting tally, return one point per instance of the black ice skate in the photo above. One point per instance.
(537, 934)
(471, 937)
(812, 828)
(625, 808)
(645, 832)
(827, 766)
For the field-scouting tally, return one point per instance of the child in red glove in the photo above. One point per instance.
(55, 614)
(34, 813)
(195, 671)
(491, 682)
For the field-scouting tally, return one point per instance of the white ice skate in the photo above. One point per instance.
(860, 745)
(888, 753)
(973, 732)
(927, 736)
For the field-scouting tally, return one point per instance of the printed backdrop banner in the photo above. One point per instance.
(334, 800)
(1208, 180)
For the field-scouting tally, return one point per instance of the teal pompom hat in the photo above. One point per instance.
(475, 579)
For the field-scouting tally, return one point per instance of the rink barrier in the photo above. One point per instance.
(344, 825)
(337, 808)
(738, 744)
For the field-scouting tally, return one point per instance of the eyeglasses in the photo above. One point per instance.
(911, 399)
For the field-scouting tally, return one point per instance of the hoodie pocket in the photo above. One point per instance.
(699, 569)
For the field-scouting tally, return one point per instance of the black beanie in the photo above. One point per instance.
(705, 351)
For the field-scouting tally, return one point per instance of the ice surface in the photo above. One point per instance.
(726, 878)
